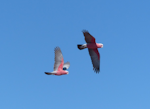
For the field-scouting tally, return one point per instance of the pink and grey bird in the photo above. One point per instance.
(92, 48)
(60, 68)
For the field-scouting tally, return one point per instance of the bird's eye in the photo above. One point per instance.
(64, 68)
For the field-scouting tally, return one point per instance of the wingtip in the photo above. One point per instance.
(96, 70)
(56, 48)
(84, 31)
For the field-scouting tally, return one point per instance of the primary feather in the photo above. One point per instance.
(66, 65)
(95, 58)
(58, 58)
(88, 37)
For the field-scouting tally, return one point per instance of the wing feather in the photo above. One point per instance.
(58, 59)
(88, 37)
(66, 65)
(95, 58)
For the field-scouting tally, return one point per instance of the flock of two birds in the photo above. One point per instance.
(60, 68)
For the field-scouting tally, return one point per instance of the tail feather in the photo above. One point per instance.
(48, 73)
(80, 47)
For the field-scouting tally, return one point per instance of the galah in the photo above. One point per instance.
(92, 48)
(60, 68)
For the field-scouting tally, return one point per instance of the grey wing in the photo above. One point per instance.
(66, 65)
(88, 37)
(95, 58)
(58, 58)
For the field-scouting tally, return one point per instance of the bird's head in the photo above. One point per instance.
(100, 45)
(67, 72)
(64, 72)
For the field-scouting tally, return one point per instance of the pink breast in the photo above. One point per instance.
(93, 45)
(61, 72)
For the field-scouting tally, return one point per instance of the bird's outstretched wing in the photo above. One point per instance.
(66, 65)
(59, 61)
(88, 37)
(95, 57)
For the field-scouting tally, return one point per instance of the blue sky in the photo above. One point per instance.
(29, 32)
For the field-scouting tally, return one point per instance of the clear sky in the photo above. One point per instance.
(31, 29)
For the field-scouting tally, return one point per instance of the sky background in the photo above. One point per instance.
(29, 32)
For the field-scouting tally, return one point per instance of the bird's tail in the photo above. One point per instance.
(80, 47)
(49, 73)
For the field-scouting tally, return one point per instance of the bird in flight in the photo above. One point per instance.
(92, 48)
(60, 68)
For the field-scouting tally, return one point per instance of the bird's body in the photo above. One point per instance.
(58, 73)
(90, 46)
(59, 66)
(93, 51)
